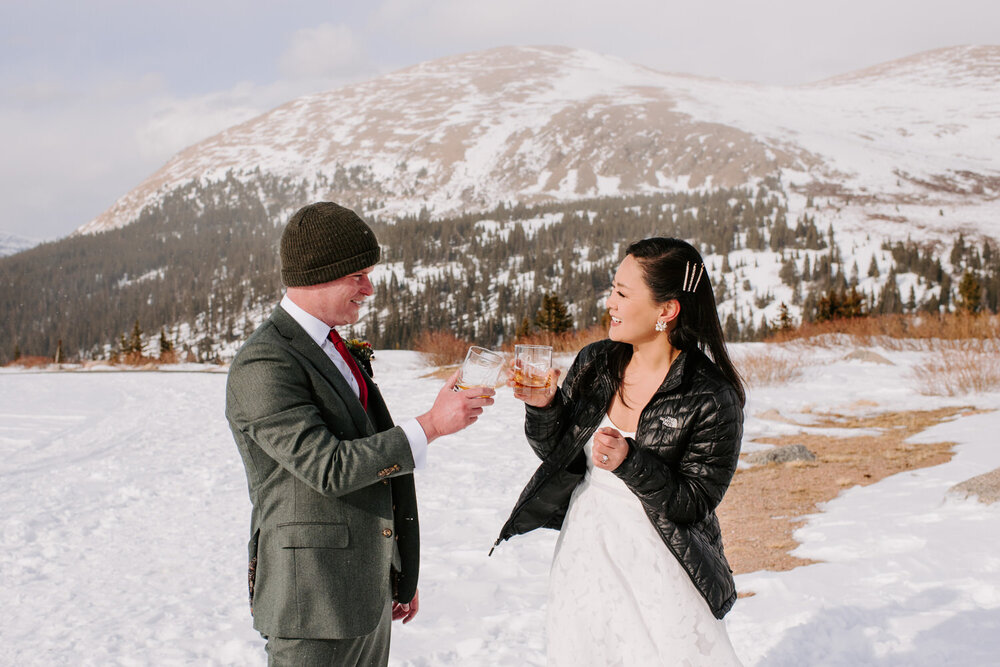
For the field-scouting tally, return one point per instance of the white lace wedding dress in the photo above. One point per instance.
(617, 596)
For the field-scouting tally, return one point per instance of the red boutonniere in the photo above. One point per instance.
(362, 352)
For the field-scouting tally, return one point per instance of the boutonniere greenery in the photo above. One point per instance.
(362, 352)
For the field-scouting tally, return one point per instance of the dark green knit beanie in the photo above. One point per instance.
(323, 242)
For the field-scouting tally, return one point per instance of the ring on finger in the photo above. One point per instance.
(604, 459)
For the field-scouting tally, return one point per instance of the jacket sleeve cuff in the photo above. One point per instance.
(627, 468)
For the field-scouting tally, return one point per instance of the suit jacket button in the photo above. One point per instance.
(385, 481)
(387, 532)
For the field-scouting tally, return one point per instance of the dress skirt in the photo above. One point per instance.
(617, 595)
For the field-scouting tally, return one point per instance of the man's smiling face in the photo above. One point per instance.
(339, 301)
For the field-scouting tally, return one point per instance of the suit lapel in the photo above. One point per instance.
(307, 347)
(378, 412)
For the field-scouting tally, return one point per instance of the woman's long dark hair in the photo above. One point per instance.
(668, 265)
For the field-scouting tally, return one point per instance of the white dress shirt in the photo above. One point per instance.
(320, 332)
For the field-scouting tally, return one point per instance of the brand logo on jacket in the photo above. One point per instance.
(669, 422)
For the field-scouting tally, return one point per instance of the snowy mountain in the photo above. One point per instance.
(907, 141)
(495, 178)
(11, 244)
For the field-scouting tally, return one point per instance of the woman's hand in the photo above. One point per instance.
(538, 397)
(610, 448)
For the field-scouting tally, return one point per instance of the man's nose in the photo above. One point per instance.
(366, 286)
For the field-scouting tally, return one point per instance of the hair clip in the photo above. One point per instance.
(690, 279)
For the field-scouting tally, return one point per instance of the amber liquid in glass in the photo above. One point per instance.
(528, 383)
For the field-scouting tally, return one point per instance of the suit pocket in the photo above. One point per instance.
(312, 535)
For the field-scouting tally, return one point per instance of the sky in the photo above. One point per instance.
(96, 95)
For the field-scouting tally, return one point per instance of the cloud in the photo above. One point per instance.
(324, 51)
(174, 123)
(72, 146)
(768, 41)
(71, 150)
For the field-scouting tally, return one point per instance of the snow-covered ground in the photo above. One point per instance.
(125, 516)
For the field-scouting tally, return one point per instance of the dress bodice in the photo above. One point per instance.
(605, 478)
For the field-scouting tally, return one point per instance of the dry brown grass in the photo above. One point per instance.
(571, 341)
(440, 348)
(768, 367)
(960, 370)
(31, 361)
(169, 357)
(765, 504)
(898, 332)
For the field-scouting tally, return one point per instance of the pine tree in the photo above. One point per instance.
(59, 352)
(523, 329)
(553, 316)
(764, 331)
(784, 319)
(789, 273)
(969, 294)
(945, 298)
(165, 344)
(135, 340)
(853, 304)
(828, 306)
(931, 305)
(731, 330)
(957, 251)
(890, 300)
(166, 348)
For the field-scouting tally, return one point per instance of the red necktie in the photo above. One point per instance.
(341, 346)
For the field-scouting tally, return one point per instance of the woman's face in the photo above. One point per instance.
(633, 311)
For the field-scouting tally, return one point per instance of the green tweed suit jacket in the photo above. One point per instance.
(331, 487)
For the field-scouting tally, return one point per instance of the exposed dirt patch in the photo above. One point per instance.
(765, 504)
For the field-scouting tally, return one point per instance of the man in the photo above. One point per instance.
(334, 543)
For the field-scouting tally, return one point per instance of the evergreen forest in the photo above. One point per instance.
(200, 270)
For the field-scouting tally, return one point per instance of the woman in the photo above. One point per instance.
(638, 447)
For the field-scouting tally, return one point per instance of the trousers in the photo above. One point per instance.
(371, 650)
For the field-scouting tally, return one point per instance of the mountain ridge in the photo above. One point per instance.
(978, 63)
(538, 124)
(11, 244)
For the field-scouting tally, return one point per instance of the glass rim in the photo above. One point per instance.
(483, 351)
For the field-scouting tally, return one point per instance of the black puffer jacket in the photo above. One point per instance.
(679, 465)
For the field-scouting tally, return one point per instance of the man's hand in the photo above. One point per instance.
(408, 610)
(454, 410)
